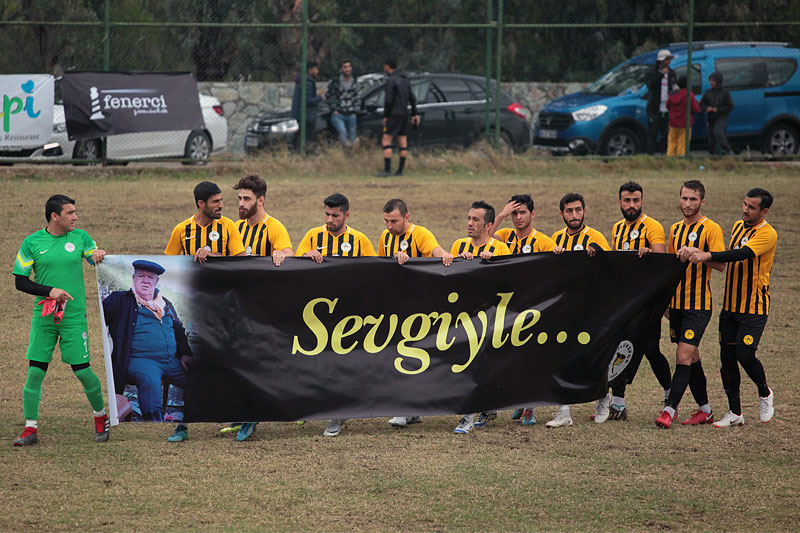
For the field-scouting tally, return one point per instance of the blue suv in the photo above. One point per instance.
(610, 118)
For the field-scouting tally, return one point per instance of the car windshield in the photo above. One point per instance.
(631, 76)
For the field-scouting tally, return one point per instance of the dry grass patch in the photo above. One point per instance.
(621, 475)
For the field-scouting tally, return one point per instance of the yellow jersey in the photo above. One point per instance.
(351, 243)
(418, 241)
(694, 290)
(643, 232)
(465, 245)
(747, 282)
(264, 236)
(534, 242)
(580, 240)
(220, 236)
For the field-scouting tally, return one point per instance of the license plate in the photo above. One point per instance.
(548, 134)
(251, 141)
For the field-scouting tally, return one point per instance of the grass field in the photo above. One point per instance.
(615, 476)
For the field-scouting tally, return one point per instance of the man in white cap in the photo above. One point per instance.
(661, 81)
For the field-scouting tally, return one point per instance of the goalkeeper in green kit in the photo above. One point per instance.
(55, 256)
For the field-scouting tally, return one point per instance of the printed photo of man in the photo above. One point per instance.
(150, 346)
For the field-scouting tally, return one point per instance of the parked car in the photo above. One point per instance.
(609, 117)
(451, 109)
(195, 144)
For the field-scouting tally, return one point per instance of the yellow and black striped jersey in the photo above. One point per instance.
(465, 245)
(747, 282)
(534, 242)
(221, 236)
(643, 232)
(351, 243)
(263, 237)
(580, 240)
(418, 241)
(694, 291)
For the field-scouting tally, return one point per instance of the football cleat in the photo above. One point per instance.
(527, 417)
(730, 419)
(699, 417)
(484, 417)
(29, 436)
(464, 427)
(561, 419)
(333, 428)
(101, 428)
(664, 420)
(247, 430)
(617, 412)
(766, 411)
(601, 410)
(233, 427)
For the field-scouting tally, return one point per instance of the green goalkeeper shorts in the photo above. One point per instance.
(72, 338)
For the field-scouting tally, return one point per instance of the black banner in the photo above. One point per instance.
(98, 104)
(368, 337)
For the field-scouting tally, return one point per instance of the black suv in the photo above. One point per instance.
(451, 109)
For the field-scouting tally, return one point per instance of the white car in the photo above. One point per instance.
(195, 144)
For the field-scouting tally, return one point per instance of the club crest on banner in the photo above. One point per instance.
(621, 359)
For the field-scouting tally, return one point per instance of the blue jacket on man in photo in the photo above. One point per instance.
(121, 312)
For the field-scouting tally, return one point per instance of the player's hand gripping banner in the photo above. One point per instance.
(367, 337)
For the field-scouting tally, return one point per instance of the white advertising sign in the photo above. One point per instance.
(26, 110)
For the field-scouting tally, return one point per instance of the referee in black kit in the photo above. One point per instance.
(395, 116)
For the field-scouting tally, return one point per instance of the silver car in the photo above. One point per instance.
(197, 145)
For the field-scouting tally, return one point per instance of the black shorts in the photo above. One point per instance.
(741, 329)
(396, 125)
(687, 325)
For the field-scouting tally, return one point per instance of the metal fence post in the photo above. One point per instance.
(106, 67)
(499, 72)
(303, 80)
(689, 36)
(488, 69)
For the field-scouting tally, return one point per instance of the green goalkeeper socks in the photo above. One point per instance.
(32, 392)
(92, 388)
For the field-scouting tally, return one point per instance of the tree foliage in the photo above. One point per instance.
(220, 50)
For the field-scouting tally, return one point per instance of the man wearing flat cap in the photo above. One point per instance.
(150, 342)
(661, 81)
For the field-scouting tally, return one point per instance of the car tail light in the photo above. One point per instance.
(518, 110)
(218, 110)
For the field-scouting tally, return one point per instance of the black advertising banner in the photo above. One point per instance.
(98, 104)
(367, 337)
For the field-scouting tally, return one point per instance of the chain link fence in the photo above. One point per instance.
(247, 55)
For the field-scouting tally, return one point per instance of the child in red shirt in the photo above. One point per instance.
(676, 104)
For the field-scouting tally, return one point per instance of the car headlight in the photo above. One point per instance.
(60, 127)
(589, 113)
(287, 126)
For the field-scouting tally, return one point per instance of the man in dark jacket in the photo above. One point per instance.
(661, 81)
(149, 340)
(312, 100)
(717, 103)
(342, 97)
(399, 97)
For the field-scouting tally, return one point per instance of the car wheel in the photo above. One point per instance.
(620, 141)
(782, 139)
(198, 148)
(86, 150)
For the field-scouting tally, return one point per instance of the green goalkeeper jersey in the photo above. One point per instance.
(57, 262)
